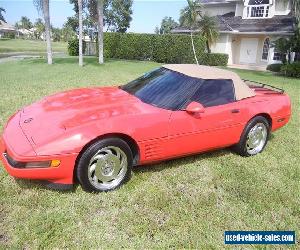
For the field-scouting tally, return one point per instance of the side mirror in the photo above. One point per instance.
(194, 108)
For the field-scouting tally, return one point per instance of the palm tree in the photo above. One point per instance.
(189, 18)
(100, 29)
(1, 15)
(44, 6)
(209, 30)
(167, 25)
(39, 28)
(80, 32)
(25, 23)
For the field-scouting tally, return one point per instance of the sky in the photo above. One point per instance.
(147, 14)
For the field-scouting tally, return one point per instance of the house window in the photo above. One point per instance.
(258, 11)
(267, 11)
(258, 8)
(266, 49)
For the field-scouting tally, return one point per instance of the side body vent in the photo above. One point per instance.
(153, 150)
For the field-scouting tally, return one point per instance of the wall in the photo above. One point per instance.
(282, 7)
(220, 46)
(223, 45)
(239, 9)
(231, 45)
(236, 46)
(229, 49)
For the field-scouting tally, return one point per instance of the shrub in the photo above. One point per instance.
(274, 67)
(73, 47)
(9, 35)
(292, 70)
(214, 59)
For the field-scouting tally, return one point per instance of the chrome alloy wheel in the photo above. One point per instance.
(256, 138)
(107, 168)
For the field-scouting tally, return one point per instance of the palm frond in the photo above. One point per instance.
(190, 14)
(209, 29)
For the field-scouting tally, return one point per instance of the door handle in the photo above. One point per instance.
(235, 111)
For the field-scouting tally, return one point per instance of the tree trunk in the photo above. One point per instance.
(194, 49)
(80, 32)
(47, 30)
(207, 46)
(100, 29)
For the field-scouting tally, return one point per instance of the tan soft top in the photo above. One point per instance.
(205, 72)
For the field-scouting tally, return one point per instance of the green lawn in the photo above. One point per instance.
(20, 45)
(183, 203)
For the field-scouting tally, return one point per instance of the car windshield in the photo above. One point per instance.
(163, 88)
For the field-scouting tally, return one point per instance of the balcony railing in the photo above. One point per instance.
(258, 11)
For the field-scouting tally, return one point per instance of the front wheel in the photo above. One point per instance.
(254, 137)
(105, 165)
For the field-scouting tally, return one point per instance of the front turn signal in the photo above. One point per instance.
(55, 163)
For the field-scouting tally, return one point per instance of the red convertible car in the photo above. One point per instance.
(96, 135)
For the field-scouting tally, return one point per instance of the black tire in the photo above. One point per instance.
(82, 169)
(241, 147)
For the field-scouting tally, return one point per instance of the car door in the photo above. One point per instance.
(220, 125)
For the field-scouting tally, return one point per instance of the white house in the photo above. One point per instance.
(6, 28)
(24, 33)
(248, 28)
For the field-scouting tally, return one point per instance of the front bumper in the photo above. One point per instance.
(16, 146)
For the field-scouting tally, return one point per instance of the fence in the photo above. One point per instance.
(90, 49)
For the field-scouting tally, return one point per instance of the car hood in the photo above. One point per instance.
(46, 119)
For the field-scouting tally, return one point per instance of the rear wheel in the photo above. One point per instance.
(105, 165)
(254, 137)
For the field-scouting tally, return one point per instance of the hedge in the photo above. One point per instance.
(275, 67)
(214, 59)
(168, 48)
(292, 70)
(73, 47)
(9, 35)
